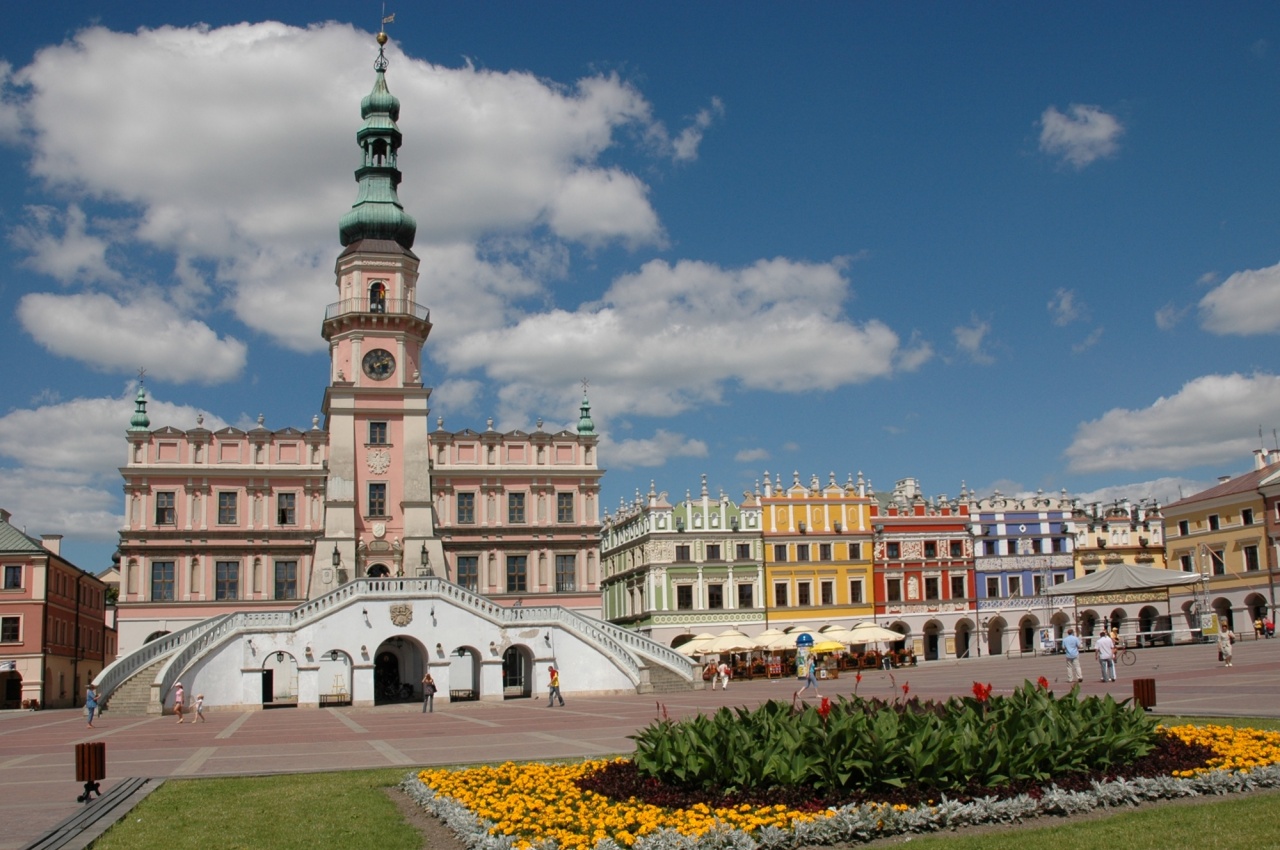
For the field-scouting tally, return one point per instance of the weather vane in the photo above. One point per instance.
(585, 382)
(142, 374)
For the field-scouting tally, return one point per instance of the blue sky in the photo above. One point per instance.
(1014, 245)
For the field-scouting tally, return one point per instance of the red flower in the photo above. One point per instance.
(857, 677)
(824, 708)
(1043, 682)
(981, 692)
(906, 689)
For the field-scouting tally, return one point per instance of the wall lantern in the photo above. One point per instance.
(333, 655)
(279, 657)
(337, 556)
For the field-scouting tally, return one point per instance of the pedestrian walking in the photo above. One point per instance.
(199, 715)
(1071, 647)
(810, 678)
(91, 703)
(1226, 643)
(428, 694)
(1106, 650)
(553, 691)
(179, 696)
(724, 671)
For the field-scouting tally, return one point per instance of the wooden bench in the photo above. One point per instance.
(334, 699)
(95, 817)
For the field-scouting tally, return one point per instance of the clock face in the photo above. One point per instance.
(379, 364)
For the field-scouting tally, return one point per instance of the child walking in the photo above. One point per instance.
(199, 718)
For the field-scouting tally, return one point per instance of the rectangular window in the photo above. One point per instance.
(466, 508)
(377, 498)
(1218, 561)
(1184, 528)
(1188, 565)
(957, 548)
(802, 552)
(286, 508)
(1015, 585)
(162, 581)
(893, 550)
(566, 573)
(931, 548)
(469, 572)
(824, 551)
(564, 507)
(1037, 585)
(715, 596)
(227, 508)
(993, 587)
(855, 551)
(515, 508)
(1059, 578)
(932, 587)
(1035, 545)
(226, 580)
(713, 551)
(1213, 522)
(893, 589)
(13, 577)
(780, 553)
(1251, 558)
(165, 511)
(286, 579)
(957, 587)
(744, 551)
(1246, 516)
(10, 629)
(682, 552)
(827, 592)
(746, 596)
(1059, 544)
(378, 434)
(855, 591)
(780, 596)
(517, 573)
(991, 547)
(803, 593)
(684, 597)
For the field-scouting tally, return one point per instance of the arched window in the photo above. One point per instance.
(378, 297)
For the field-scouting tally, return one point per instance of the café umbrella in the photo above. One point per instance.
(696, 644)
(730, 640)
(871, 633)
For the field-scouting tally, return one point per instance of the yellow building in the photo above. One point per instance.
(817, 552)
(1222, 534)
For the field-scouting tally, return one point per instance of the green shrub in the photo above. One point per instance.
(867, 744)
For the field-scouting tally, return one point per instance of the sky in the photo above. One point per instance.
(1013, 246)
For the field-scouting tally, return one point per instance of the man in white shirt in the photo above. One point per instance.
(1106, 649)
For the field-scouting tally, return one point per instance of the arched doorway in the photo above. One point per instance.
(398, 667)
(378, 571)
(1027, 633)
(964, 638)
(995, 635)
(335, 676)
(1088, 624)
(155, 636)
(279, 680)
(1222, 607)
(517, 673)
(464, 674)
(932, 640)
(1256, 605)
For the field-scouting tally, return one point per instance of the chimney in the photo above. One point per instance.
(52, 542)
(4, 515)
(1273, 456)
(1259, 458)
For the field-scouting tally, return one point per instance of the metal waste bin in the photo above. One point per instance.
(1144, 693)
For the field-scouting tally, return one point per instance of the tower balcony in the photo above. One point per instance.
(378, 307)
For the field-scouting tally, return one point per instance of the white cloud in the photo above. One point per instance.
(1212, 419)
(1080, 137)
(685, 146)
(112, 336)
(1246, 303)
(1064, 308)
(969, 339)
(1163, 490)
(751, 455)
(776, 325)
(244, 193)
(1088, 342)
(654, 451)
(1170, 316)
(69, 455)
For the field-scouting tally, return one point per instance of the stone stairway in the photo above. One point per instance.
(133, 698)
(665, 681)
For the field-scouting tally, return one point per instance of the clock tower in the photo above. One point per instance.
(378, 517)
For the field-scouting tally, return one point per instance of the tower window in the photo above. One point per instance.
(286, 508)
(466, 509)
(227, 508)
(377, 433)
(378, 499)
(378, 297)
(564, 507)
(165, 514)
(515, 508)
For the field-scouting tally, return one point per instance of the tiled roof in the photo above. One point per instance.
(13, 540)
(1247, 483)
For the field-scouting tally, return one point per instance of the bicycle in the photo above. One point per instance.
(1127, 657)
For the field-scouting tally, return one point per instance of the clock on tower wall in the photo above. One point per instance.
(379, 364)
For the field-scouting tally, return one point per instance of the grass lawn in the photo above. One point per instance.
(350, 809)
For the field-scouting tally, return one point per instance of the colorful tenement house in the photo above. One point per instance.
(924, 570)
(232, 520)
(817, 552)
(671, 572)
(1124, 532)
(53, 633)
(1223, 533)
(1022, 547)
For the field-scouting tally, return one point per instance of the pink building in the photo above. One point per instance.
(231, 520)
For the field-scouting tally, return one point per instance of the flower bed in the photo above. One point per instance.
(609, 805)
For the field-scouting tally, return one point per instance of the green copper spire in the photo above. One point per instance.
(585, 426)
(140, 422)
(377, 213)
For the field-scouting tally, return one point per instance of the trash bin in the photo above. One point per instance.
(1144, 693)
(91, 766)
